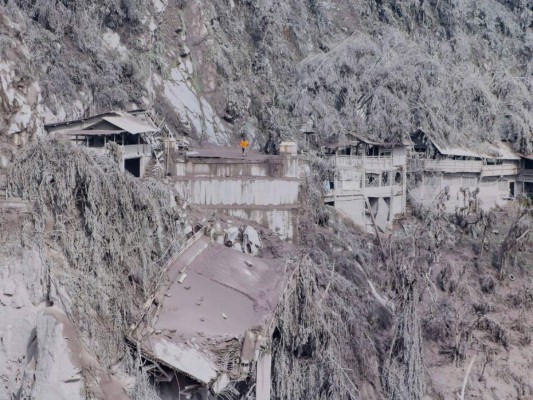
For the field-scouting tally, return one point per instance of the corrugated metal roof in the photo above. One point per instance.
(131, 124)
(93, 132)
(364, 139)
(74, 121)
(342, 143)
(500, 150)
(456, 151)
(507, 152)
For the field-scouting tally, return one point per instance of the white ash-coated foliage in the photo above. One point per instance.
(460, 69)
(404, 375)
(456, 76)
(68, 55)
(313, 338)
(324, 345)
(114, 233)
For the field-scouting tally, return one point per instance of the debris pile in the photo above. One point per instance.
(242, 238)
(209, 325)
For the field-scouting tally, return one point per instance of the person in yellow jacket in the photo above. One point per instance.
(244, 146)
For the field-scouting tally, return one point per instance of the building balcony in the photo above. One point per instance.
(383, 191)
(375, 163)
(526, 175)
(128, 151)
(460, 166)
(331, 195)
(454, 166)
(448, 166)
(336, 161)
(499, 170)
(136, 150)
(368, 191)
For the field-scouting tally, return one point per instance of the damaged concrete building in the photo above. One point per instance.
(525, 179)
(367, 181)
(370, 181)
(134, 133)
(259, 187)
(207, 331)
(473, 178)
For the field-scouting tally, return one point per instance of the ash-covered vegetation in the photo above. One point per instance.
(103, 234)
(459, 69)
(69, 56)
(403, 317)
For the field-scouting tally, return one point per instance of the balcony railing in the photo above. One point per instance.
(137, 150)
(378, 163)
(368, 162)
(499, 170)
(130, 150)
(337, 161)
(451, 166)
(454, 166)
(458, 166)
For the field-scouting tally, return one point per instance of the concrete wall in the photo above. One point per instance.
(352, 207)
(284, 166)
(396, 205)
(264, 191)
(283, 221)
(238, 191)
(399, 156)
(291, 166)
(492, 190)
(222, 168)
(136, 150)
(351, 187)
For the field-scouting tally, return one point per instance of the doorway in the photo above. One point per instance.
(133, 166)
(511, 190)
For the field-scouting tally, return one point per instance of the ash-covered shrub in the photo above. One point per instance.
(437, 323)
(487, 284)
(105, 234)
(68, 54)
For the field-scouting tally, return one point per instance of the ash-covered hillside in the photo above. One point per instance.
(460, 69)
(435, 308)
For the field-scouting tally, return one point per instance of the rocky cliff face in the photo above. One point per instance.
(41, 355)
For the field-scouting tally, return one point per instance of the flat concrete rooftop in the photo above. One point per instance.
(229, 153)
(219, 282)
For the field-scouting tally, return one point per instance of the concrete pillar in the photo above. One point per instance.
(289, 152)
(263, 379)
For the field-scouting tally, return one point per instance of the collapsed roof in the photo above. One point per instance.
(499, 150)
(218, 303)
